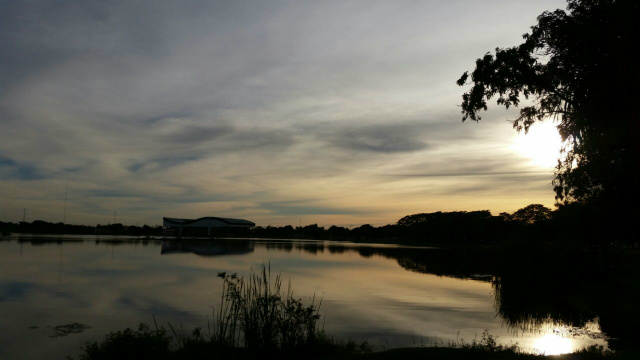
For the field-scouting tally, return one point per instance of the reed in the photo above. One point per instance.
(256, 313)
(256, 318)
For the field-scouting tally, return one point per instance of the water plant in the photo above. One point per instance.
(256, 318)
(256, 313)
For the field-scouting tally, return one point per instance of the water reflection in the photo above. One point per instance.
(530, 300)
(553, 344)
(390, 295)
(571, 294)
(207, 248)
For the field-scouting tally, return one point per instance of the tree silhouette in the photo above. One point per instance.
(531, 214)
(578, 68)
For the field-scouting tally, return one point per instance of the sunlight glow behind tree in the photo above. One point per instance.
(541, 145)
(575, 67)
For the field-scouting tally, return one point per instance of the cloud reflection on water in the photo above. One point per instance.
(110, 286)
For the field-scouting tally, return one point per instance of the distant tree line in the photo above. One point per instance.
(575, 224)
(44, 227)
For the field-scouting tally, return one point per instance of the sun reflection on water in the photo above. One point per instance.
(553, 344)
(555, 338)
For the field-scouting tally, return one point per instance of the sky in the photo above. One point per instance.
(279, 112)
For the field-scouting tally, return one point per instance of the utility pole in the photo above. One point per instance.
(24, 215)
(114, 216)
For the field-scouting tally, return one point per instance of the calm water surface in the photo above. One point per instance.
(109, 283)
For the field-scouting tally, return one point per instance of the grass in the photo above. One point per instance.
(255, 319)
(145, 343)
(256, 314)
(486, 349)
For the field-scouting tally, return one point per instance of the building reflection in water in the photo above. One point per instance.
(387, 294)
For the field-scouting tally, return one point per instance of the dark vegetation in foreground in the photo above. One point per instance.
(481, 351)
(146, 343)
(257, 319)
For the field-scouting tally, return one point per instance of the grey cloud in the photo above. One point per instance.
(257, 139)
(194, 143)
(155, 163)
(288, 209)
(119, 95)
(470, 172)
(198, 134)
(389, 136)
(11, 169)
(504, 185)
(382, 139)
(456, 161)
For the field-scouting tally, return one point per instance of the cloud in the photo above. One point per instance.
(198, 134)
(302, 208)
(387, 138)
(233, 109)
(10, 169)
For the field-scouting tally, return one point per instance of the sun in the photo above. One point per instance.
(541, 145)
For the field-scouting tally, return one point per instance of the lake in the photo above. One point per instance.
(392, 296)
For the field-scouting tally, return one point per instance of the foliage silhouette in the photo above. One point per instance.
(256, 314)
(531, 214)
(255, 320)
(578, 68)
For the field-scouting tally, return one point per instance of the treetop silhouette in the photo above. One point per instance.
(577, 68)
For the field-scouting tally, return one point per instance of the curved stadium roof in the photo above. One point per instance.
(207, 221)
